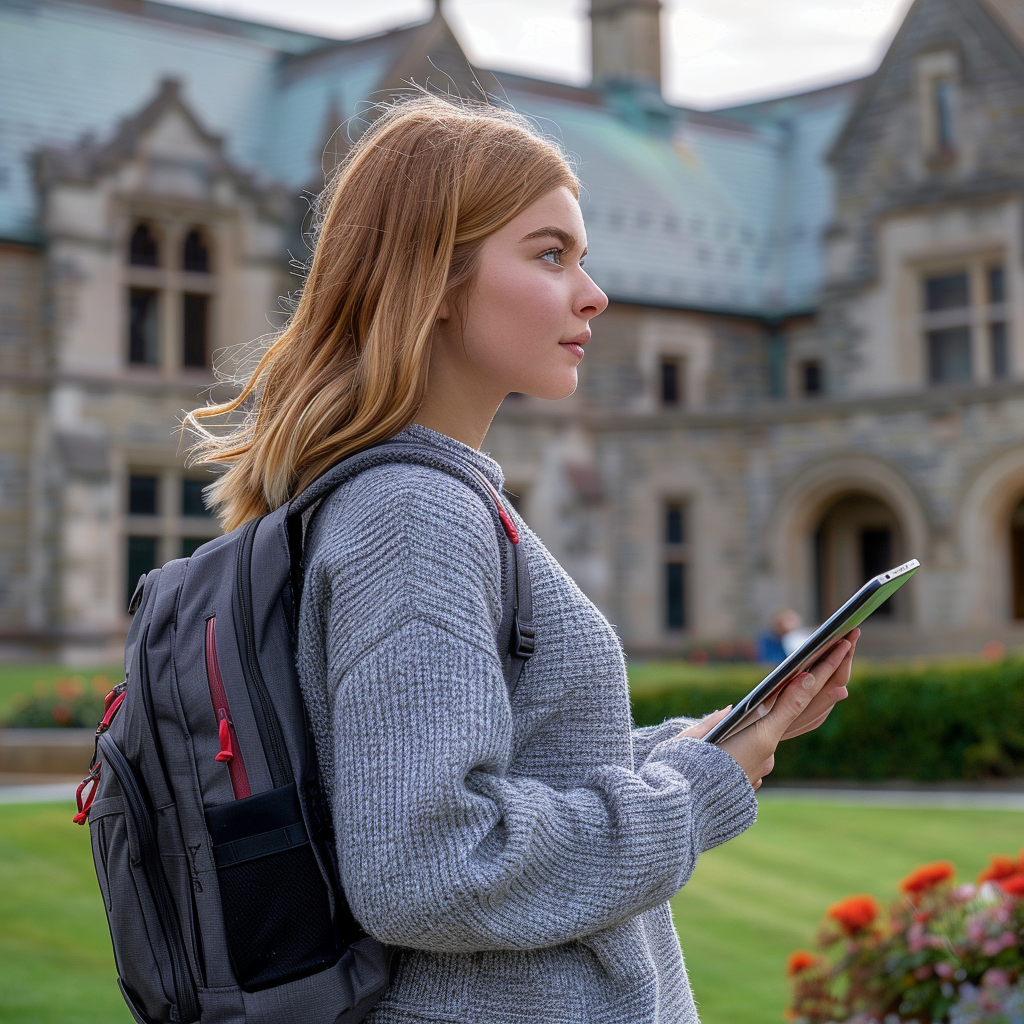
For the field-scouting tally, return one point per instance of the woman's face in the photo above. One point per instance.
(524, 321)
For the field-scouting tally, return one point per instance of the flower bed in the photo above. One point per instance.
(70, 702)
(943, 954)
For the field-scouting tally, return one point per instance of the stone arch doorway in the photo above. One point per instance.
(803, 506)
(857, 537)
(1017, 562)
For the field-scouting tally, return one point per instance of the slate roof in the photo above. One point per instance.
(719, 210)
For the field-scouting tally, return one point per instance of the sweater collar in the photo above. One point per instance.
(483, 462)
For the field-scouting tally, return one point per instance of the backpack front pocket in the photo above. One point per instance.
(277, 908)
(152, 966)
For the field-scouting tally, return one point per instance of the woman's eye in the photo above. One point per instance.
(553, 256)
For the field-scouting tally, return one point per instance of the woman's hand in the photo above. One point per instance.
(802, 706)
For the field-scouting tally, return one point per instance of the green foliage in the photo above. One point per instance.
(19, 684)
(929, 723)
(70, 701)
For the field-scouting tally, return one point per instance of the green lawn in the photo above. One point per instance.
(749, 904)
(54, 944)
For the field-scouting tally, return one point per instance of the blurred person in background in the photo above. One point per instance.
(518, 853)
(785, 634)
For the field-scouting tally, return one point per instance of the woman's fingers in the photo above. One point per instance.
(829, 695)
(802, 705)
(799, 695)
(704, 726)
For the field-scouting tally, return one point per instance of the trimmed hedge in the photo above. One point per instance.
(931, 724)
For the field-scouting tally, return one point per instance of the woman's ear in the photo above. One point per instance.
(445, 311)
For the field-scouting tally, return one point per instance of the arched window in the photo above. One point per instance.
(196, 253)
(143, 250)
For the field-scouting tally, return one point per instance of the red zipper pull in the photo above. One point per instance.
(112, 708)
(83, 799)
(510, 529)
(227, 752)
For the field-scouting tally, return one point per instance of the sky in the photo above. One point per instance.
(716, 51)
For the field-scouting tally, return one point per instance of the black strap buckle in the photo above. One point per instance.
(524, 638)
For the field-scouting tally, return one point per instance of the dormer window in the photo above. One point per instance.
(938, 87)
(942, 99)
(172, 300)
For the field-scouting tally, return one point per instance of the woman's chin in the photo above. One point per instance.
(552, 390)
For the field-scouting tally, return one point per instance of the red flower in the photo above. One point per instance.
(1000, 866)
(926, 877)
(61, 714)
(855, 913)
(1013, 884)
(800, 960)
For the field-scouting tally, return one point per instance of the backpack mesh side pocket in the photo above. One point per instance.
(277, 908)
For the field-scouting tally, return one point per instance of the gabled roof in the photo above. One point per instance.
(1003, 20)
(712, 209)
(87, 159)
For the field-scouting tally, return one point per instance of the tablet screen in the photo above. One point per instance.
(759, 701)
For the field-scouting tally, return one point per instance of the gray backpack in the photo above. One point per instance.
(210, 833)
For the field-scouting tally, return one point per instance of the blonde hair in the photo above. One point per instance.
(398, 232)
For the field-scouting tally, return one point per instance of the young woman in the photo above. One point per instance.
(520, 853)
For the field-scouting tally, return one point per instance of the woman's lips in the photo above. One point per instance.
(575, 345)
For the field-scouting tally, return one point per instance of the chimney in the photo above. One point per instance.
(625, 43)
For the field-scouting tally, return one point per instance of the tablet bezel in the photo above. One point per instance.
(813, 649)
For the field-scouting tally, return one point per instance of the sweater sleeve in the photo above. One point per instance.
(647, 737)
(440, 848)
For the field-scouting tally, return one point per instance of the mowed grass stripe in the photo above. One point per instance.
(748, 905)
(54, 946)
(755, 899)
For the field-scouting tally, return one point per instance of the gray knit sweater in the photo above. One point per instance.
(520, 855)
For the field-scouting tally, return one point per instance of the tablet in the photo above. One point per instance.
(760, 700)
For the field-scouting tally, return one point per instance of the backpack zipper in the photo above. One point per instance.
(184, 986)
(263, 707)
(230, 752)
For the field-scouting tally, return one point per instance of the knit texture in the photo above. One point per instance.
(519, 853)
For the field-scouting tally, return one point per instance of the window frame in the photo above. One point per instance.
(168, 524)
(673, 554)
(980, 316)
(677, 364)
(172, 284)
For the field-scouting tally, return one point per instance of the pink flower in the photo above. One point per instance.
(944, 969)
(923, 972)
(995, 978)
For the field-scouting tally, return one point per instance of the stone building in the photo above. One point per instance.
(812, 367)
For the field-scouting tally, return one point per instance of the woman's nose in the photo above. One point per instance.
(592, 301)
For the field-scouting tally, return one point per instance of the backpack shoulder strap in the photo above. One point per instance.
(517, 612)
